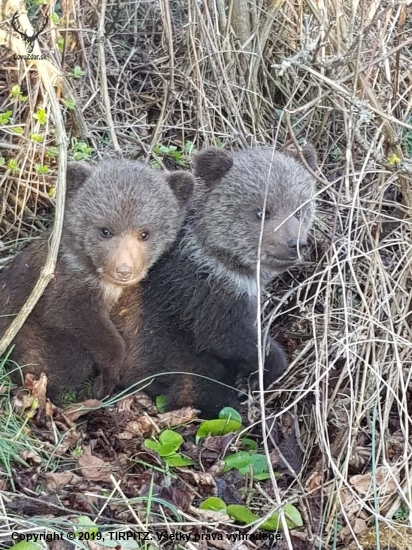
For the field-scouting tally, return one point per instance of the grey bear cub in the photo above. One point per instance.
(121, 216)
(198, 304)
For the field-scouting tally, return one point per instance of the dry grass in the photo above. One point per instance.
(332, 72)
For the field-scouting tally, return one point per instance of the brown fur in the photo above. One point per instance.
(71, 332)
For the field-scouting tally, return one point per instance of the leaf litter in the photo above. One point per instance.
(95, 447)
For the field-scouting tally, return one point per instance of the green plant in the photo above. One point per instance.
(37, 138)
(81, 151)
(336, 155)
(244, 515)
(407, 142)
(60, 43)
(229, 421)
(52, 152)
(179, 155)
(15, 93)
(167, 446)
(77, 72)
(41, 116)
(55, 18)
(161, 401)
(41, 168)
(248, 462)
(402, 513)
(69, 103)
(5, 117)
(12, 165)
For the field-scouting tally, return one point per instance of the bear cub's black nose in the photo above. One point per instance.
(295, 243)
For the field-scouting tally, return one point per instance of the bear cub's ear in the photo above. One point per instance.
(309, 154)
(76, 174)
(212, 164)
(182, 184)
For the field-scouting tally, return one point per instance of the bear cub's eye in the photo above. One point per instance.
(144, 235)
(259, 214)
(105, 233)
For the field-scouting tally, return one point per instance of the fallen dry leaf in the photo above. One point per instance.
(349, 502)
(201, 478)
(143, 400)
(358, 525)
(92, 467)
(217, 469)
(31, 458)
(181, 499)
(143, 425)
(384, 482)
(210, 515)
(77, 410)
(126, 403)
(55, 482)
(176, 418)
(37, 388)
(314, 482)
(21, 400)
(50, 409)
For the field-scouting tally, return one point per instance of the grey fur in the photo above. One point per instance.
(199, 301)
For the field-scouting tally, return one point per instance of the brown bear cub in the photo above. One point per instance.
(121, 216)
(199, 302)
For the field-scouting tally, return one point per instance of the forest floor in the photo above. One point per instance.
(157, 81)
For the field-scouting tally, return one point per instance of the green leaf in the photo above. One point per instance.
(244, 462)
(5, 117)
(17, 130)
(37, 138)
(77, 72)
(55, 18)
(190, 149)
(23, 545)
(213, 503)
(70, 104)
(169, 437)
(293, 514)
(263, 476)
(41, 168)
(217, 427)
(240, 460)
(161, 402)
(153, 445)
(40, 116)
(60, 43)
(230, 414)
(15, 90)
(259, 463)
(169, 443)
(52, 152)
(177, 460)
(86, 525)
(293, 519)
(249, 444)
(241, 514)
